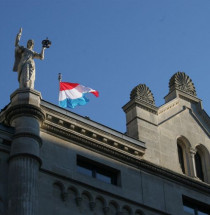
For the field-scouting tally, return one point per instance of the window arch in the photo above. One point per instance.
(198, 166)
(181, 157)
(183, 146)
(202, 160)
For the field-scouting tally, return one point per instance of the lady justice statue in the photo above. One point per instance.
(24, 61)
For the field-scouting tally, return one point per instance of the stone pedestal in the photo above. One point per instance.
(25, 115)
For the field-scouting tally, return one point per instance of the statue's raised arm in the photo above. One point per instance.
(18, 51)
(24, 61)
(18, 37)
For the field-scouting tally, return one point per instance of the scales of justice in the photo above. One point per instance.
(24, 61)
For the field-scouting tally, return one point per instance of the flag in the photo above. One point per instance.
(73, 94)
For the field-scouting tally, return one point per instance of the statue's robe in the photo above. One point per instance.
(18, 50)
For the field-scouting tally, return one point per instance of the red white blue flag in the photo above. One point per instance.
(73, 94)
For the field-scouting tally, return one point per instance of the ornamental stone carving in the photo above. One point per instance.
(24, 61)
(142, 92)
(181, 81)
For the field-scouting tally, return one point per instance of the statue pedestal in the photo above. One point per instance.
(26, 96)
(25, 115)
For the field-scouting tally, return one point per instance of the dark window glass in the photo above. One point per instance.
(202, 213)
(97, 170)
(189, 210)
(84, 170)
(198, 166)
(194, 207)
(181, 158)
(103, 177)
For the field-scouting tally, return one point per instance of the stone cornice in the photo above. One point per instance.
(177, 93)
(160, 122)
(167, 106)
(137, 163)
(91, 140)
(26, 90)
(118, 152)
(23, 110)
(89, 128)
(140, 103)
(203, 118)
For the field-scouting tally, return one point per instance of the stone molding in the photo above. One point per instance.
(154, 169)
(63, 190)
(160, 122)
(26, 96)
(116, 150)
(204, 116)
(66, 127)
(25, 155)
(151, 123)
(206, 130)
(202, 187)
(172, 104)
(119, 201)
(141, 164)
(26, 90)
(86, 126)
(24, 110)
(192, 151)
(6, 133)
(142, 104)
(91, 142)
(176, 177)
(180, 86)
(175, 114)
(30, 135)
(168, 106)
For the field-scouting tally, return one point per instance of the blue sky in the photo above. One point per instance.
(110, 46)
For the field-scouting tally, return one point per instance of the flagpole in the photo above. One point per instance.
(59, 79)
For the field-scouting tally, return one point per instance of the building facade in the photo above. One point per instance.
(55, 162)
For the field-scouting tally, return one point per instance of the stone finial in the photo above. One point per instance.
(142, 92)
(181, 81)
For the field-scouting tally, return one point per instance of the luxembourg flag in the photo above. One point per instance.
(73, 94)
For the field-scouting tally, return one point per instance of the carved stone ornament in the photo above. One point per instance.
(181, 81)
(142, 92)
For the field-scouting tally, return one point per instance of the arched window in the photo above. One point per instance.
(183, 146)
(202, 160)
(181, 157)
(198, 166)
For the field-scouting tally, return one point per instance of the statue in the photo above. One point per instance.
(24, 61)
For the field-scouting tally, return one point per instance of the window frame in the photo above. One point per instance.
(195, 205)
(181, 157)
(97, 169)
(199, 166)
(184, 144)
